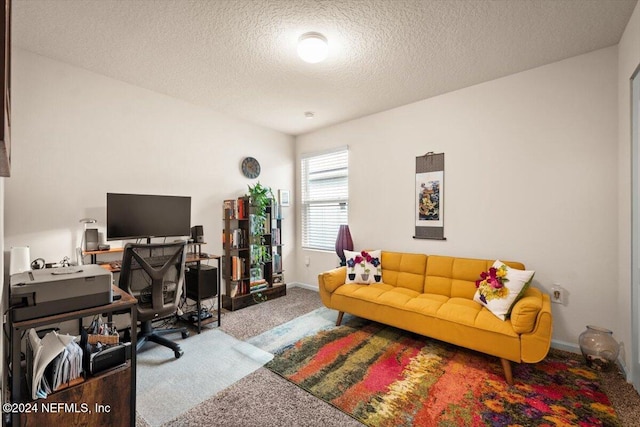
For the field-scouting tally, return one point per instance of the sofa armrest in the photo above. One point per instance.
(525, 311)
(332, 279)
(535, 345)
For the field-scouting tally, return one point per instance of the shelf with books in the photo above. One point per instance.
(252, 261)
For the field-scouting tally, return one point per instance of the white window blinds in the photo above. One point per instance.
(325, 197)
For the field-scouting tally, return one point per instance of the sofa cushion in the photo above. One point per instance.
(456, 277)
(427, 303)
(500, 287)
(363, 267)
(404, 270)
(453, 277)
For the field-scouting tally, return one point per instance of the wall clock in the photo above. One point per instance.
(250, 167)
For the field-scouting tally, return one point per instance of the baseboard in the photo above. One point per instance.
(302, 285)
(565, 346)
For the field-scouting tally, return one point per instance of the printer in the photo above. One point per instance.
(51, 291)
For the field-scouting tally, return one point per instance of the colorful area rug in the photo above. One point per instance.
(383, 376)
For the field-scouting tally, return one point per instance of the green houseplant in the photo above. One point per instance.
(260, 198)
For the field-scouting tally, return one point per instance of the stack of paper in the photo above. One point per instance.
(57, 360)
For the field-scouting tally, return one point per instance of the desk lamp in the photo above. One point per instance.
(84, 221)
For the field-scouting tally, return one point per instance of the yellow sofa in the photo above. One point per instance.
(433, 296)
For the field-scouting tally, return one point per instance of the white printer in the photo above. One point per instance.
(40, 293)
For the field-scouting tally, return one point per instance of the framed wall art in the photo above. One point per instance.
(283, 197)
(429, 197)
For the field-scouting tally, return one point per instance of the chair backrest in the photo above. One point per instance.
(154, 274)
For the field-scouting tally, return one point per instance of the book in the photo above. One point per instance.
(234, 290)
(229, 209)
(259, 288)
(277, 262)
(237, 267)
(243, 207)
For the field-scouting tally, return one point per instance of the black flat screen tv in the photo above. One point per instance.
(136, 216)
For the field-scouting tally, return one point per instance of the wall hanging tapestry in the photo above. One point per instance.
(429, 195)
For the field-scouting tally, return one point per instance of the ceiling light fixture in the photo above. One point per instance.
(313, 47)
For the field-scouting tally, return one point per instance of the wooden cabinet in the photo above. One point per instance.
(100, 401)
(105, 399)
(252, 261)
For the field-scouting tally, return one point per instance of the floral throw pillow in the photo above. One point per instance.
(363, 267)
(501, 287)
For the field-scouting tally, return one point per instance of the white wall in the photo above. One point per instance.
(530, 175)
(78, 135)
(628, 61)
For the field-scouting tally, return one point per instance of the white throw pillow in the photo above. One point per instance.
(363, 267)
(501, 287)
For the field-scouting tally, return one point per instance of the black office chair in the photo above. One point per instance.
(154, 274)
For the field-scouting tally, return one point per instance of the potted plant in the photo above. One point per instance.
(260, 198)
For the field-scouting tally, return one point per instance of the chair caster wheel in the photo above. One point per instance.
(185, 334)
(178, 354)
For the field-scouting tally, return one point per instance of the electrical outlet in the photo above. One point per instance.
(307, 261)
(557, 294)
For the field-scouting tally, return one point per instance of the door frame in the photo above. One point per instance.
(635, 229)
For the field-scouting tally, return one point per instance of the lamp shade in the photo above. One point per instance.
(343, 242)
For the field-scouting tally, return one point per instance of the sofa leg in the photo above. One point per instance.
(340, 314)
(506, 367)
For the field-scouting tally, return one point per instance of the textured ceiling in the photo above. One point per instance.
(239, 57)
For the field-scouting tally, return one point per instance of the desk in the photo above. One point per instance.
(94, 254)
(115, 388)
(194, 258)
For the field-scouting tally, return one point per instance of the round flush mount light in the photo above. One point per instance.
(313, 47)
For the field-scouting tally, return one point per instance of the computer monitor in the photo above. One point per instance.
(135, 216)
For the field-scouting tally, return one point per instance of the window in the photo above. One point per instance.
(325, 197)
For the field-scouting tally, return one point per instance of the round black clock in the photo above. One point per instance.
(250, 167)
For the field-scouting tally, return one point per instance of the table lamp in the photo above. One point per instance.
(343, 242)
